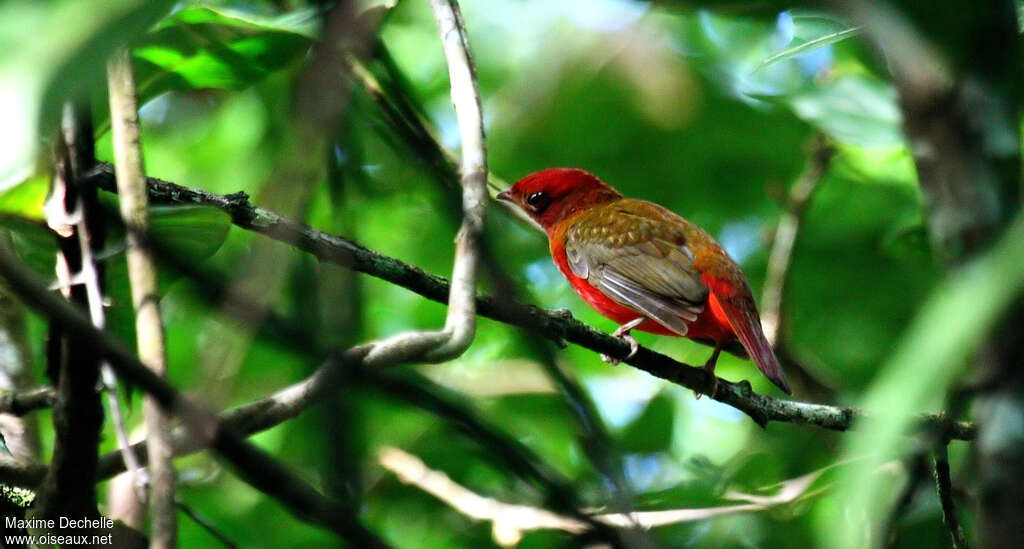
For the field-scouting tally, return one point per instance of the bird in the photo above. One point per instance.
(645, 267)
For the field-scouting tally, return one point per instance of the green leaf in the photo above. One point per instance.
(202, 48)
(819, 42)
(853, 109)
(33, 242)
(26, 199)
(191, 232)
(55, 50)
(82, 72)
(888, 165)
(651, 431)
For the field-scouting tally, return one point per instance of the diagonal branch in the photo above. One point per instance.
(292, 401)
(207, 525)
(558, 326)
(254, 465)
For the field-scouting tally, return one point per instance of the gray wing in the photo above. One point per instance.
(655, 278)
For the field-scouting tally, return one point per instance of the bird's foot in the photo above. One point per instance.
(709, 367)
(714, 385)
(623, 333)
(634, 346)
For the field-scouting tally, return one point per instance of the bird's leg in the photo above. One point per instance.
(623, 333)
(709, 367)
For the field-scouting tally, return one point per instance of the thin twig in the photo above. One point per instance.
(206, 525)
(460, 324)
(780, 260)
(558, 326)
(423, 393)
(414, 131)
(142, 274)
(781, 257)
(510, 521)
(131, 461)
(944, 487)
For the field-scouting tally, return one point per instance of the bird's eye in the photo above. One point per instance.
(537, 200)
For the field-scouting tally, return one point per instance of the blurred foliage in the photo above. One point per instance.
(706, 112)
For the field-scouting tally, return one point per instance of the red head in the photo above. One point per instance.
(554, 194)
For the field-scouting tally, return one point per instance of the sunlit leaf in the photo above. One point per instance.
(812, 30)
(812, 45)
(25, 199)
(851, 109)
(201, 48)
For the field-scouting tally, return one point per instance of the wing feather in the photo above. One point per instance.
(653, 276)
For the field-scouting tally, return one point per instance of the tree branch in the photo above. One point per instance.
(288, 403)
(69, 488)
(460, 324)
(149, 327)
(207, 525)
(253, 465)
(558, 326)
(19, 403)
(944, 487)
(19, 394)
(413, 389)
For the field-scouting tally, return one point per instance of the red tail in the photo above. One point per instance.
(742, 315)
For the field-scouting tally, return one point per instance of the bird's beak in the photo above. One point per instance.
(504, 195)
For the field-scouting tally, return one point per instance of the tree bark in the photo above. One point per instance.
(69, 489)
(142, 274)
